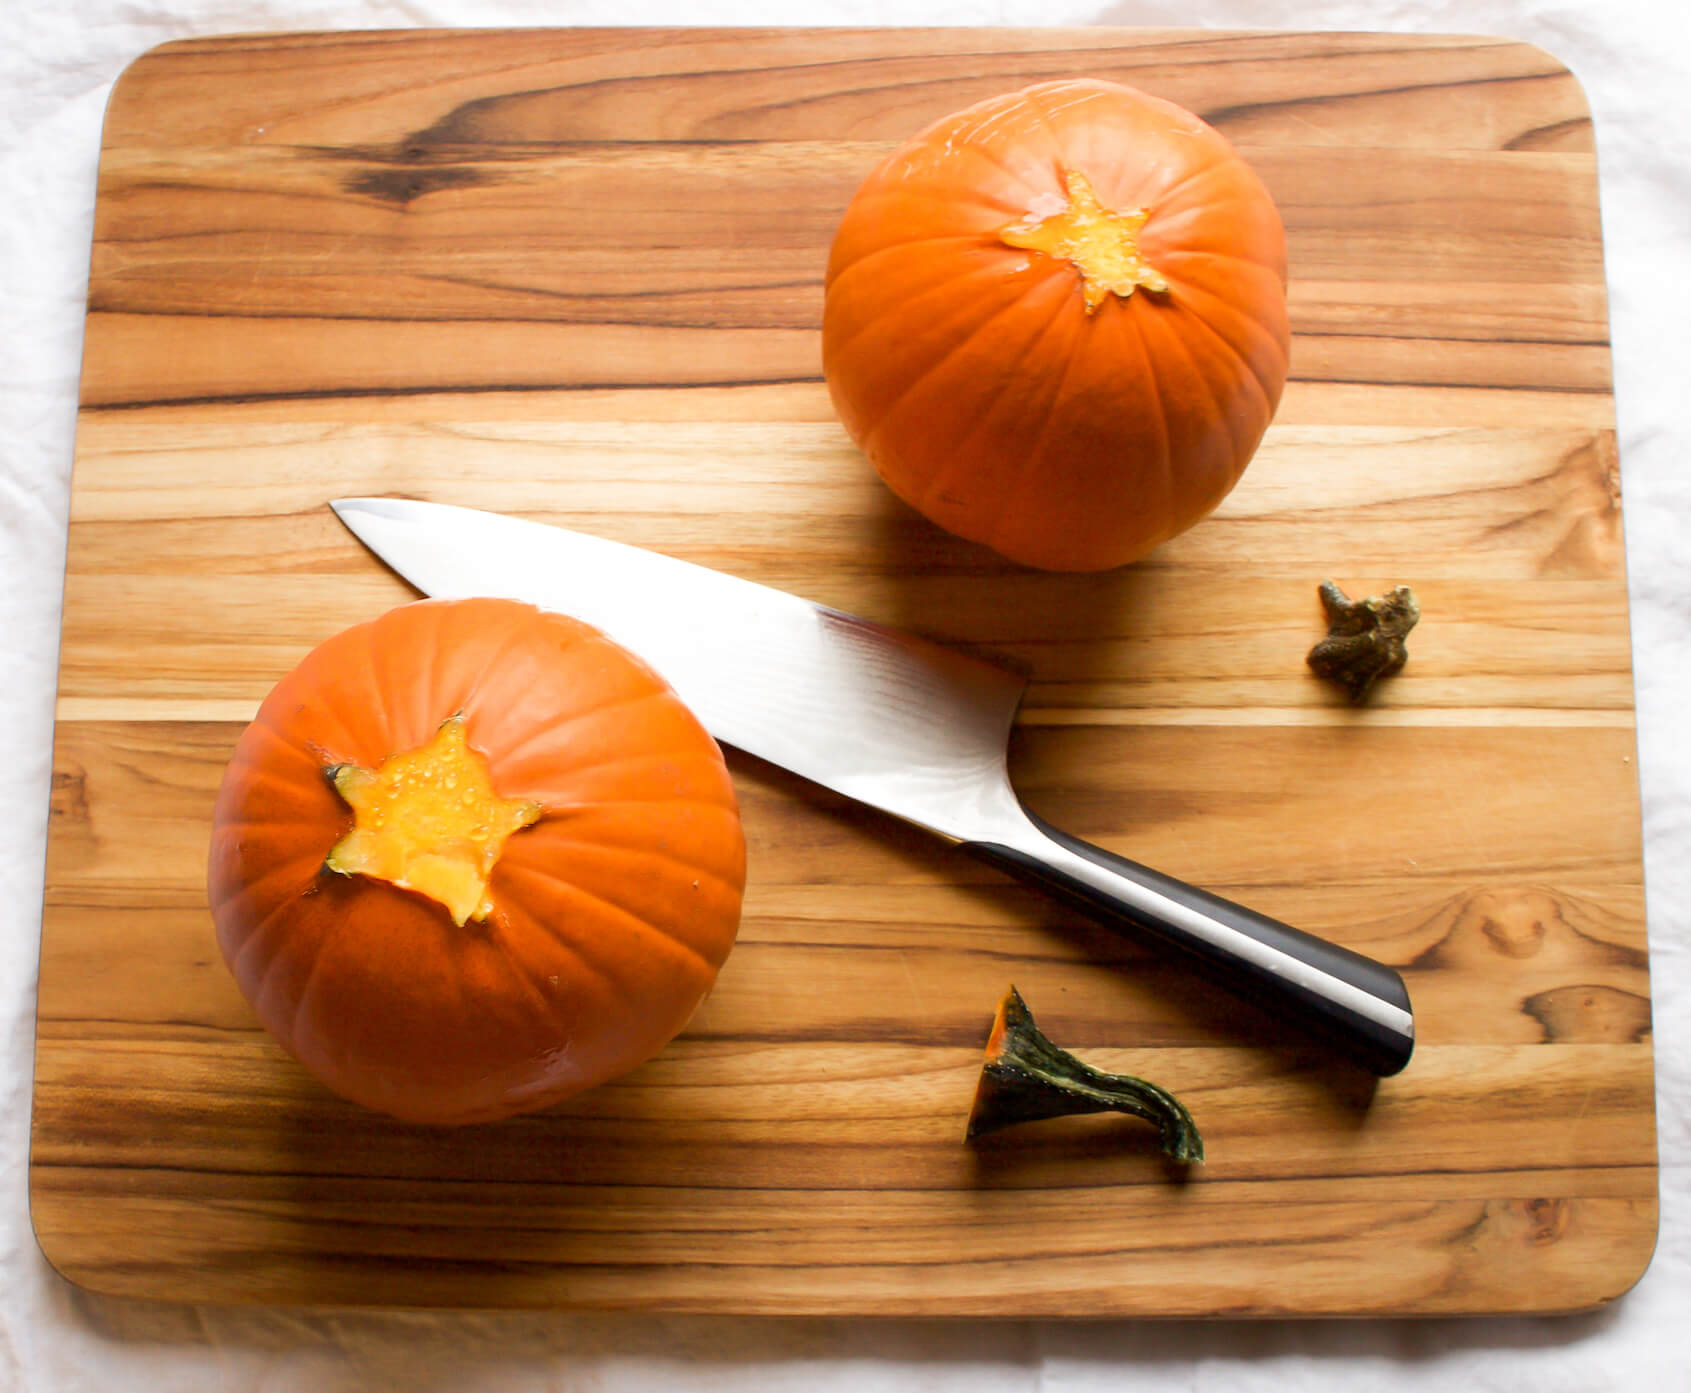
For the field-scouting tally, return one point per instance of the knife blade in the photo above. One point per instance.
(914, 728)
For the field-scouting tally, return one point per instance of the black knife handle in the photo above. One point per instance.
(1355, 1003)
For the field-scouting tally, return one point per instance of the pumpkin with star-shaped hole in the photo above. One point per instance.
(471, 858)
(1056, 322)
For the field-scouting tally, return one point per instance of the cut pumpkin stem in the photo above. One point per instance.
(1027, 1079)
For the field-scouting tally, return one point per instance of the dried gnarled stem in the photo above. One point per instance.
(1027, 1079)
(1365, 638)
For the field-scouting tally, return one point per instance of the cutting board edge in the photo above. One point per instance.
(1595, 1297)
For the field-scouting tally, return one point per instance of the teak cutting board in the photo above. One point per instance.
(577, 275)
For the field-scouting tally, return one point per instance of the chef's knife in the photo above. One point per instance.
(908, 726)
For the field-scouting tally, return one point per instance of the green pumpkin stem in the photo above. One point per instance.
(1027, 1079)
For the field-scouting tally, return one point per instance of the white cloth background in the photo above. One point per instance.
(58, 59)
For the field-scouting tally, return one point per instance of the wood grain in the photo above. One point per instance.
(577, 275)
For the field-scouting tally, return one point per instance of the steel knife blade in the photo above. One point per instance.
(915, 728)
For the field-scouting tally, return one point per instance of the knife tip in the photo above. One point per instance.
(358, 514)
(346, 509)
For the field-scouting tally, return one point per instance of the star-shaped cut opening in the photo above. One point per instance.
(1102, 244)
(429, 820)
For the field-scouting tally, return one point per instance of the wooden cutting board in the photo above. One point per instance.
(577, 275)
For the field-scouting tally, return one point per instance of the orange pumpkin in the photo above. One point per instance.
(1056, 322)
(471, 858)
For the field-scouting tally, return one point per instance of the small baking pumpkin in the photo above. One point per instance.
(471, 858)
(1056, 322)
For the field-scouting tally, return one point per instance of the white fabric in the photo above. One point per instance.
(58, 59)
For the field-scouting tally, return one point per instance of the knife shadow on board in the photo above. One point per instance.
(922, 939)
(1070, 632)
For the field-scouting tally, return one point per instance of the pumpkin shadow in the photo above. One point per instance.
(1067, 632)
(377, 1212)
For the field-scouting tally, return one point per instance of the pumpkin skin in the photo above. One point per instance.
(611, 914)
(970, 371)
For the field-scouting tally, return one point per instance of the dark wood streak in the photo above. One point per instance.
(1226, 115)
(1548, 136)
(1591, 1013)
(449, 388)
(432, 389)
(403, 184)
(487, 1191)
(1524, 923)
(1451, 385)
(478, 121)
(552, 321)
